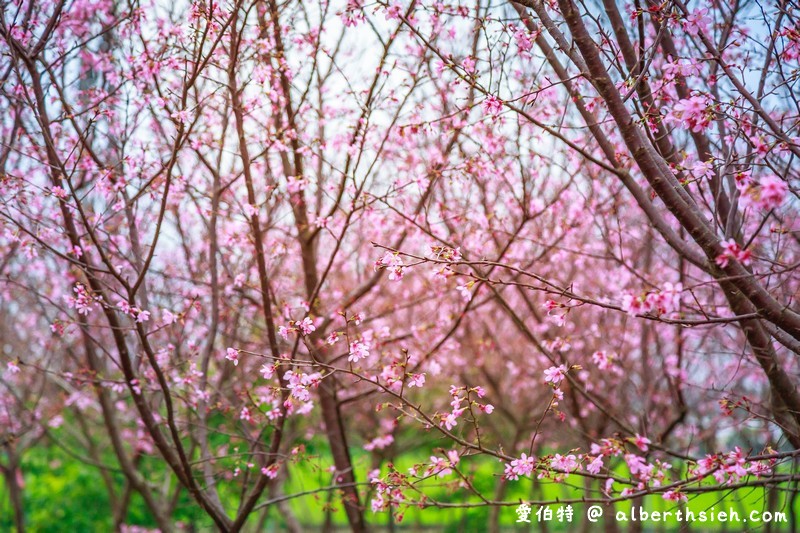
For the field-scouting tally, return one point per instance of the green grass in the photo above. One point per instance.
(64, 494)
(485, 475)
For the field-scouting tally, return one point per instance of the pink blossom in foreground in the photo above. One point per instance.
(492, 106)
(306, 326)
(358, 350)
(520, 467)
(564, 463)
(675, 496)
(693, 112)
(733, 252)
(641, 442)
(393, 264)
(231, 354)
(416, 380)
(555, 374)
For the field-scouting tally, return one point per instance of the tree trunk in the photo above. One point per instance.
(334, 429)
(11, 473)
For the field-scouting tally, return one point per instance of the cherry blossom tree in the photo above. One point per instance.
(399, 245)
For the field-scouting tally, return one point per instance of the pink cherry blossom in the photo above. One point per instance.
(772, 192)
(595, 465)
(641, 442)
(358, 350)
(306, 326)
(416, 380)
(732, 251)
(492, 105)
(693, 112)
(232, 354)
(564, 463)
(675, 496)
(520, 467)
(555, 374)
